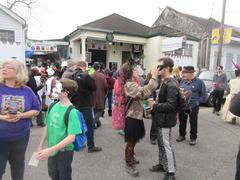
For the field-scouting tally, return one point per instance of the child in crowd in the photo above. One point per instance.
(59, 135)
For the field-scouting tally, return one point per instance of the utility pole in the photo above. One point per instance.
(219, 55)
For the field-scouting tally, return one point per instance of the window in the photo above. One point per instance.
(188, 50)
(7, 36)
(229, 59)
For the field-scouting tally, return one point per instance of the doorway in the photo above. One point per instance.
(98, 56)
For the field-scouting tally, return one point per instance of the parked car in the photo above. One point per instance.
(207, 77)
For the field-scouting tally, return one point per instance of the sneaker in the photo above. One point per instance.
(213, 111)
(180, 138)
(217, 113)
(94, 149)
(169, 176)
(193, 142)
(132, 171)
(135, 161)
(121, 132)
(99, 123)
(234, 120)
(153, 141)
(157, 168)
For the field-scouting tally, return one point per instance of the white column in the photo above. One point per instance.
(83, 40)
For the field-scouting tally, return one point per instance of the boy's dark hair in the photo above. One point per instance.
(167, 62)
(70, 86)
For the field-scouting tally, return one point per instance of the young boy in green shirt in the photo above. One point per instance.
(60, 137)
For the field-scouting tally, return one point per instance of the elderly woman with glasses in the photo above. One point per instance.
(18, 104)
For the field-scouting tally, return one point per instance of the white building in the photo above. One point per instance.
(112, 40)
(13, 30)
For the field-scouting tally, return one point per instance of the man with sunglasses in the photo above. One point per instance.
(164, 112)
(219, 86)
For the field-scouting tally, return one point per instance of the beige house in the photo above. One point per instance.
(112, 40)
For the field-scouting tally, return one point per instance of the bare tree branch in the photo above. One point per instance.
(27, 3)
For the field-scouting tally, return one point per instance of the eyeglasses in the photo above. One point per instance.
(160, 67)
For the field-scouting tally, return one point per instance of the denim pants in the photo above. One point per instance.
(193, 118)
(59, 166)
(88, 117)
(109, 99)
(217, 99)
(14, 153)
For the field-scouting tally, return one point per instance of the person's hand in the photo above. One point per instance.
(11, 117)
(43, 154)
(154, 72)
(151, 103)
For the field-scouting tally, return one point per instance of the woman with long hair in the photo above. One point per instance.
(134, 126)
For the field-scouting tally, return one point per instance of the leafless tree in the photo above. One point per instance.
(27, 3)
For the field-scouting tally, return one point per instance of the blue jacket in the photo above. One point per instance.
(199, 93)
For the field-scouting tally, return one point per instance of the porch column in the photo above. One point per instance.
(83, 40)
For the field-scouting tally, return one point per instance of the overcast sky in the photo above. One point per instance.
(57, 18)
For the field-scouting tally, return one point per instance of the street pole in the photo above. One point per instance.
(219, 55)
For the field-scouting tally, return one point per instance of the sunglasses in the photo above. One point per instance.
(160, 67)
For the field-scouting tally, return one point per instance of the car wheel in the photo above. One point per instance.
(210, 100)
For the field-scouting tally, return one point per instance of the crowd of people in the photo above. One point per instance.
(167, 94)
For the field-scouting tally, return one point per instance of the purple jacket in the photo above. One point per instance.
(25, 100)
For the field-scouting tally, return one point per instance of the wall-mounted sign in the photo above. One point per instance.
(41, 47)
(227, 36)
(137, 48)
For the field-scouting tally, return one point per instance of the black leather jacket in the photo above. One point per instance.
(165, 110)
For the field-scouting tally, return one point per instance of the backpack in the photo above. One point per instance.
(80, 139)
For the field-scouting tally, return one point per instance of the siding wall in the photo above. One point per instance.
(17, 49)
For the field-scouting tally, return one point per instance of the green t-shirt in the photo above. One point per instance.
(56, 126)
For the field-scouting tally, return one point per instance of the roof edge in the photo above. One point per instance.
(13, 15)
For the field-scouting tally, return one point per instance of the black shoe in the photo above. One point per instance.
(213, 111)
(217, 113)
(153, 141)
(110, 112)
(180, 138)
(157, 168)
(99, 123)
(169, 176)
(193, 142)
(94, 149)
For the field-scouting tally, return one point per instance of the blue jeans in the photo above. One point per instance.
(14, 153)
(109, 98)
(88, 117)
(59, 166)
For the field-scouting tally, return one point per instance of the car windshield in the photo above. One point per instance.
(206, 75)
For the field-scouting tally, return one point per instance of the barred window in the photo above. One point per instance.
(7, 36)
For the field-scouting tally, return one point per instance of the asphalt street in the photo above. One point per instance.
(213, 158)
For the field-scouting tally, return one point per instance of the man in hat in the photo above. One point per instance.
(199, 95)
